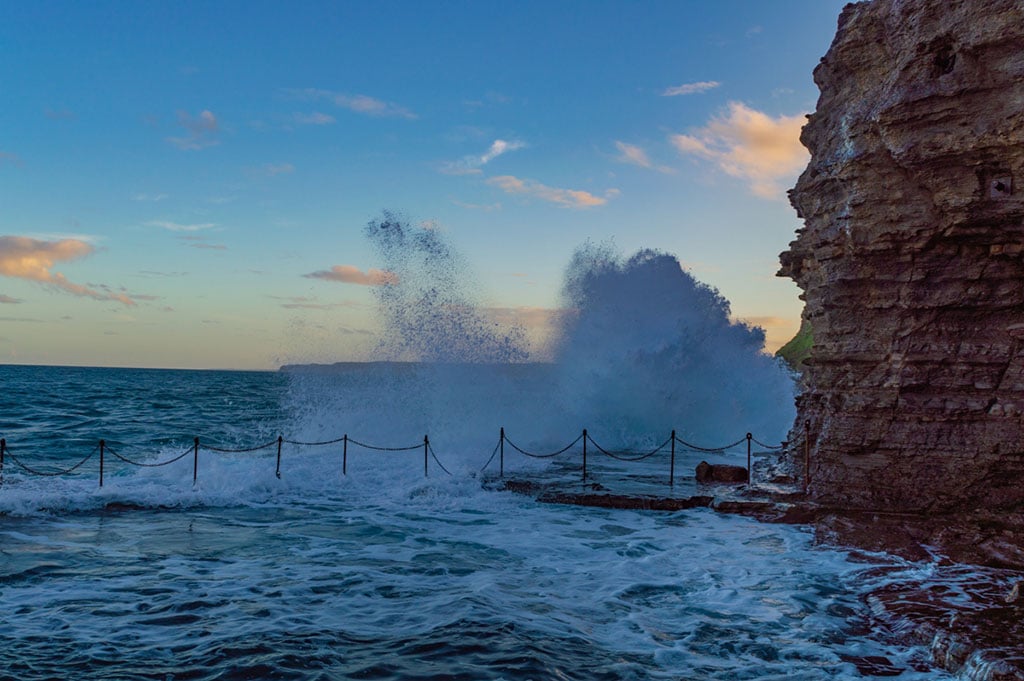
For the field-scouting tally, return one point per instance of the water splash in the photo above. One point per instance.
(650, 348)
(429, 313)
(642, 349)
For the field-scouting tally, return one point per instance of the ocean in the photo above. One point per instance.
(381, 572)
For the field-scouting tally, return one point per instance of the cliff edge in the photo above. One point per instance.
(911, 260)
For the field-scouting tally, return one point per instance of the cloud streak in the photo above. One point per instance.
(750, 145)
(315, 118)
(272, 169)
(307, 303)
(690, 88)
(8, 300)
(199, 241)
(569, 198)
(350, 274)
(634, 155)
(22, 257)
(178, 227)
(472, 164)
(360, 104)
(200, 132)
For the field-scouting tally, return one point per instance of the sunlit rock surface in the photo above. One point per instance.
(911, 258)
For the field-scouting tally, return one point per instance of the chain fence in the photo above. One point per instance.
(673, 442)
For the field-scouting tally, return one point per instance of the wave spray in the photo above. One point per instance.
(641, 348)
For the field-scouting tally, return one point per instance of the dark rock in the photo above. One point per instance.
(527, 487)
(911, 260)
(707, 472)
(743, 507)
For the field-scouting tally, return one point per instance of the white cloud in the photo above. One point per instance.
(8, 300)
(149, 197)
(471, 165)
(315, 118)
(750, 145)
(690, 88)
(350, 274)
(632, 154)
(177, 227)
(570, 198)
(22, 257)
(362, 104)
(200, 131)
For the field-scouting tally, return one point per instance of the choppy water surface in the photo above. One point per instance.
(381, 574)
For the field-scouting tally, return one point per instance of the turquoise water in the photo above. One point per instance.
(381, 573)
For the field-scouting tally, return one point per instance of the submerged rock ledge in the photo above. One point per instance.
(912, 259)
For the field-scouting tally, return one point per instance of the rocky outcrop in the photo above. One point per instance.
(720, 472)
(911, 260)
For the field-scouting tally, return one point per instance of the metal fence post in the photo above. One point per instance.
(672, 463)
(584, 455)
(195, 460)
(426, 447)
(344, 455)
(750, 477)
(277, 471)
(501, 457)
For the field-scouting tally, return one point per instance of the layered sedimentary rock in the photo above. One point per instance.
(911, 259)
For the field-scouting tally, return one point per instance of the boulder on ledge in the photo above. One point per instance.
(707, 472)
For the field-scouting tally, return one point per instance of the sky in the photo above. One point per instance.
(186, 184)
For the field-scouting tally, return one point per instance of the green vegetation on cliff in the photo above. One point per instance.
(798, 348)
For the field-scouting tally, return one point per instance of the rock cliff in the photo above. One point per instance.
(911, 260)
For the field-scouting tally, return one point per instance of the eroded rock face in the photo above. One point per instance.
(912, 258)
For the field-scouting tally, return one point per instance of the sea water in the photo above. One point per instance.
(219, 547)
(380, 573)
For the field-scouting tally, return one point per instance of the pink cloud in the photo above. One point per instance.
(26, 258)
(570, 198)
(750, 145)
(350, 274)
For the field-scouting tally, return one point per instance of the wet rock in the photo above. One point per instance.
(707, 472)
(745, 507)
(911, 259)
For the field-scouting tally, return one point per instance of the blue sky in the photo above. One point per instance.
(172, 173)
